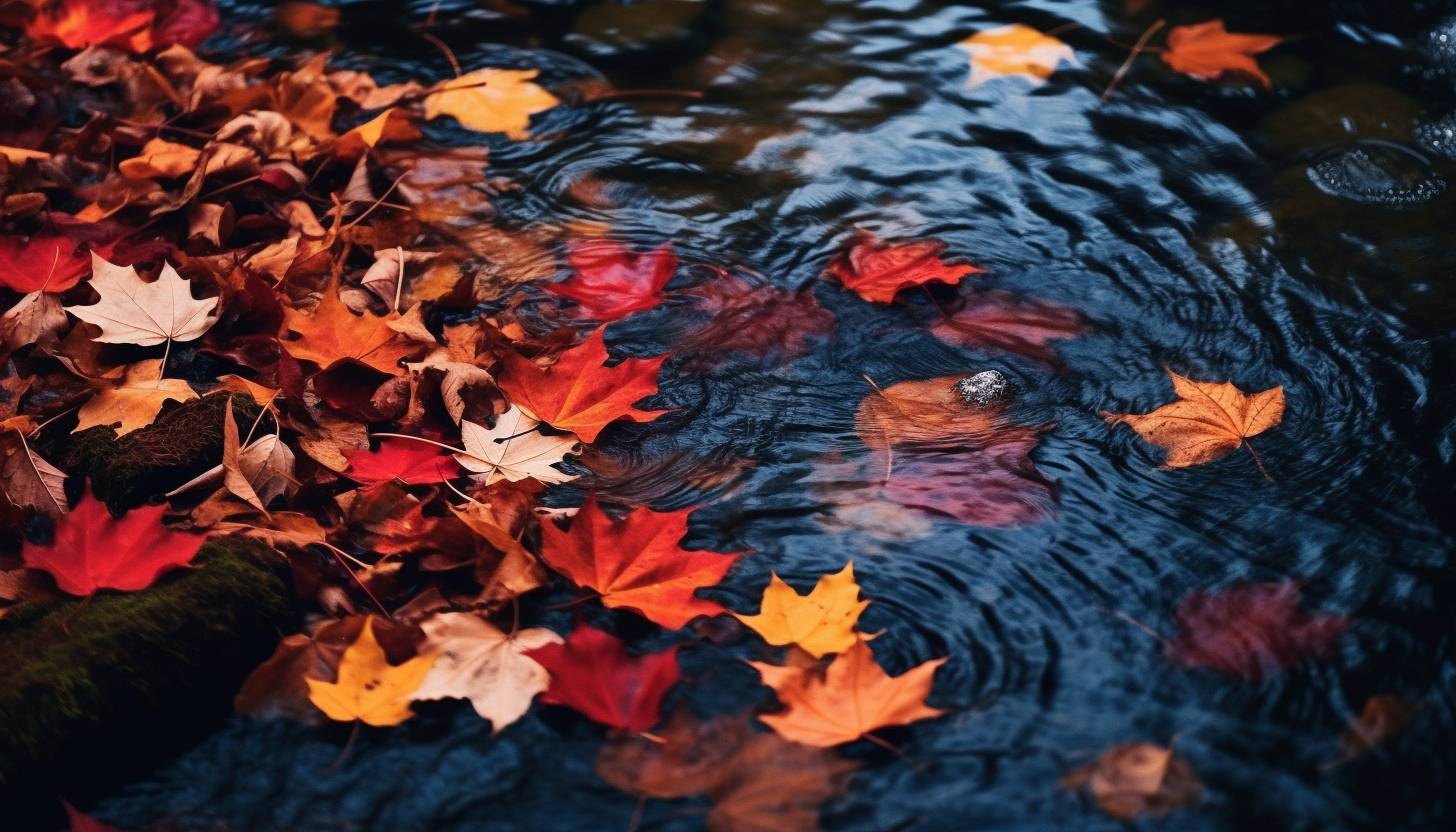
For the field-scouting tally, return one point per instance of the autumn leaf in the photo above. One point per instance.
(1207, 421)
(853, 697)
(1002, 322)
(1382, 718)
(759, 322)
(254, 473)
(132, 311)
(161, 159)
(392, 125)
(1014, 50)
(1207, 50)
(491, 101)
(413, 463)
(877, 271)
(637, 564)
(592, 674)
(50, 260)
(28, 480)
(514, 450)
(1251, 631)
(92, 550)
(332, 333)
(475, 660)
(685, 757)
(821, 622)
(611, 282)
(369, 688)
(1137, 778)
(135, 25)
(134, 401)
(927, 411)
(579, 393)
(80, 822)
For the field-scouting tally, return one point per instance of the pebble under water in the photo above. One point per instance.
(1295, 237)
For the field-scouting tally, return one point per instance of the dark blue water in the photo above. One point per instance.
(1178, 218)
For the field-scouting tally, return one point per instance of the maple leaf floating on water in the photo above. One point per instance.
(611, 282)
(1207, 421)
(1251, 631)
(1136, 778)
(821, 622)
(1014, 50)
(476, 660)
(491, 101)
(853, 697)
(877, 271)
(133, 311)
(579, 393)
(92, 550)
(592, 674)
(637, 564)
(1208, 50)
(369, 688)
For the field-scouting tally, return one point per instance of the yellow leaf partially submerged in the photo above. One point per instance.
(821, 622)
(370, 689)
(1014, 50)
(492, 101)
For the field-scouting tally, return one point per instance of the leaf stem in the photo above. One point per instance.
(1137, 49)
(1257, 461)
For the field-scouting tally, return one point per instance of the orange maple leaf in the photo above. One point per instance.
(877, 271)
(1207, 50)
(579, 392)
(853, 697)
(333, 333)
(1207, 421)
(637, 564)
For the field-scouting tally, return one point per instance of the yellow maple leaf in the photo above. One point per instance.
(370, 689)
(1014, 50)
(135, 401)
(491, 101)
(821, 622)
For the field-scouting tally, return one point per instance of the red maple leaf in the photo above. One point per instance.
(1251, 630)
(758, 321)
(877, 271)
(137, 25)
(1004, 322)
(58, 257)
(611, 282)
(592, 674)
(413, 463)
(636, 564)
(93, 550)
(579, 392)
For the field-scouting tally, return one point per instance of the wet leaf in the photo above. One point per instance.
(475, 660)
(369, 688)
(1015, 50)
(1002, 322)
(611, 281)
(132, 311)
(579, 393)
(761, 322)
(1207, 421)
(514, 450)
(491, 101)
(592, 674)
(636, 564)
(852, 697)
(821, 622)
(1208, 50)
(878, 271)
(93, 550)
(1251, 631)
(135, 25)
(1382, 718)
(1137, 778)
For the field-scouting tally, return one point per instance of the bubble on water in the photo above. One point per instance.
(1378, 172)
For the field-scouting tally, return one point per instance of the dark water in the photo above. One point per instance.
(1180, 219)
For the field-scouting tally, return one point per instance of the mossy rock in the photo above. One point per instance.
(91, 697)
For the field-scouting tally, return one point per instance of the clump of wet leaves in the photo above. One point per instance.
(279, 238)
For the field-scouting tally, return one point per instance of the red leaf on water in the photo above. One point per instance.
(85, 823)
(93, 550)
(1003, 322)
(637, 564)
(996, 485)
(579, 392)
(758, 321)
(414, 463)
(137, 25)
(592, 674)
(611, 282)
(1251, 630)
(877, 271)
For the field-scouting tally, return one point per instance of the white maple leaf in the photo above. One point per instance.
(477, 661)
(133, 311)
(515, 449)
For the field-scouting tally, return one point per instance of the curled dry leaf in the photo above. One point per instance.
(1137, 778)
(821, 622)
(28, 480)
(476, 660)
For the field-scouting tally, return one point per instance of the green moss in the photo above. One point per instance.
(131, 676)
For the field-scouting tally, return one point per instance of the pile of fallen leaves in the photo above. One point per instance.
(281, 236)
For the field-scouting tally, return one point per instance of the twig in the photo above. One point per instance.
(454, 64)
(1136, 623)
(1257, 461)
(1137, 49)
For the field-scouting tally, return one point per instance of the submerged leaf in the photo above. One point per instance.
(1014, 50)
(1137, 778)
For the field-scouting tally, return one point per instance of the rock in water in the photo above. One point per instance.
(984, 387)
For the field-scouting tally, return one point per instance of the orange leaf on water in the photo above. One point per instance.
(1208, 50)
(877, 271)
(1134, 778)
(1207, 421)
(1014, 50)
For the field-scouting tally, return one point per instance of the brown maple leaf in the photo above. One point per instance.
(1134, 778)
